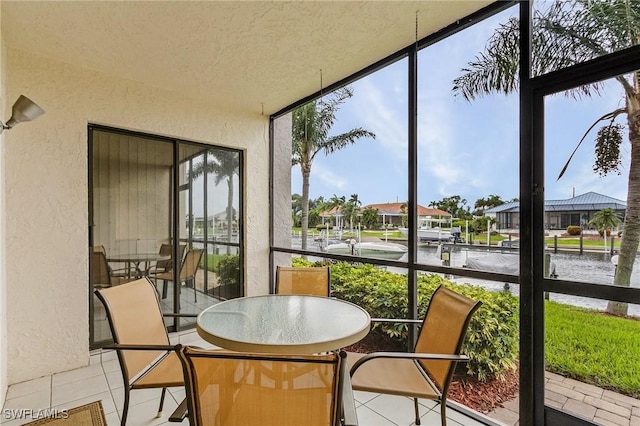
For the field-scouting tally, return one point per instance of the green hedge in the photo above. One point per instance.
(491, 341)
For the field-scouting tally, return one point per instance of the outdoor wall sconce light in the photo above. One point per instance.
(23, 110)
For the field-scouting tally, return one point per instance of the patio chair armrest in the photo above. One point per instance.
(169, 315)
(125, 347)
(180, 413)
(407, 355)
(397, 320)
(349, 415)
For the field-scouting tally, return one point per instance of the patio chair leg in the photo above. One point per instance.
(415, 405)
(443, 412)
(164, 391)
(125, 408)
(164, 289)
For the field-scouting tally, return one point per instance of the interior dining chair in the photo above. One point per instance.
(309, 281)
(141, 340)
(427, 372)
(228, 388)
(101, 274)
(166, 265)
(188, 271)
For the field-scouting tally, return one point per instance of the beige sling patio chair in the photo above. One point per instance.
(141, 340)
(101, 274)
(229, 388)
(427, 372)
(188, 270)
(166, 265)
(309, 281)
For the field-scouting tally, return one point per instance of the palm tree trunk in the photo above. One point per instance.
(229, 212)
(631, 228)
(305, 205)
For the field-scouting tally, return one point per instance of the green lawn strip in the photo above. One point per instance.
(212, 262)
(593, 348)
(575, 242)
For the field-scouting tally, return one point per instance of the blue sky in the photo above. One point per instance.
(466, 149)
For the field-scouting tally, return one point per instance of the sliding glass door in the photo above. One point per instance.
(146, 194)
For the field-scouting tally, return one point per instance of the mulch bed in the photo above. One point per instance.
(479, 396)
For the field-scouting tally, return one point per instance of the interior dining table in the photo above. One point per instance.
(136, 259)
(285, 324)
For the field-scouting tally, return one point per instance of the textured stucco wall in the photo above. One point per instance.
(3, 282)
(282, 188)
(46, 197)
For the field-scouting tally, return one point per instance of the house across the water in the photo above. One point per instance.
(558, 214)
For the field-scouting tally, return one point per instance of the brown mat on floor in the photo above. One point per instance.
(86, 415)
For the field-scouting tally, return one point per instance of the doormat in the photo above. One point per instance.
(86, 415)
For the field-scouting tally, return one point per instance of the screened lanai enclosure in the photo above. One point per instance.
(146, 194)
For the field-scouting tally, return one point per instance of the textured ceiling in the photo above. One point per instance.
(241, 56)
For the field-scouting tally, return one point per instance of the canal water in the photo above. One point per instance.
(589, 267)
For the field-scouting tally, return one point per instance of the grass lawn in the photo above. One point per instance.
(575, 242)
(593, 348)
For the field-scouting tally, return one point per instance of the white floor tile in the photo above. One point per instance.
(137, 397)
(398, 409)
(35, 401)
(114, 379)
(109, 355)
(105, 398)
(14, 422)
(112, 419)
(79, 389)
(363, 397)
(109, 366)
(368, 417)
(75, 375)
(31, 386)
(95, 358)
(145, 414)
(432, 418)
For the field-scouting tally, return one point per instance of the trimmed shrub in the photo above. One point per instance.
(574, 230)
(229, 270)
(491, 342)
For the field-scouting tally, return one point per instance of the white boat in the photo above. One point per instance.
(495, 262)
(375, 249)
(430, 234)
(503, 263)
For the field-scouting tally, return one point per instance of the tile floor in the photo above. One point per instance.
(102, 380)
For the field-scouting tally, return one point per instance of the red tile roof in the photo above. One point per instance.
(391, 208)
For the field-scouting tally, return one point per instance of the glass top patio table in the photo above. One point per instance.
(137, 259)
(290, 324)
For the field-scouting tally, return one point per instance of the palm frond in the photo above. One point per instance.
(608, 116)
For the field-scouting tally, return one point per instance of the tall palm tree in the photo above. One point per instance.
(564, 34)
(353, 209)
(224, 166)
(310, 129)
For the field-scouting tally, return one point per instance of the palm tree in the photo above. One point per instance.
(403, 209)
(605, 220)
(310, 135)
(336, 202)
(352, 208)
(564, 34)
(225, 165)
